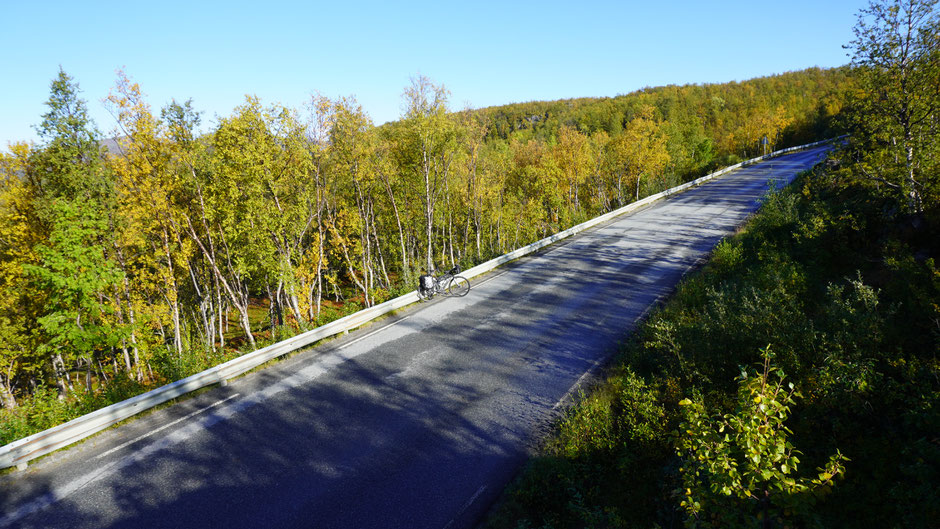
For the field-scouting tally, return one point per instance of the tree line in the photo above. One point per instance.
(149, 256)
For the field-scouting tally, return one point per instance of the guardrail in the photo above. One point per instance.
(20, 452)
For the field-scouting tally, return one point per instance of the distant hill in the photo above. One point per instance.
(810, 96)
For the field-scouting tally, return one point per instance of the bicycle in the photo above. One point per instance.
(448, 282)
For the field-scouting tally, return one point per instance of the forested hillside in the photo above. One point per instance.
(127, 267)
(731, 118)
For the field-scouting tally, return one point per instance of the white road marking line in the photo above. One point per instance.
(373, 333)
(466, 505)
(578, 383)
(472, 499)
(165, 426)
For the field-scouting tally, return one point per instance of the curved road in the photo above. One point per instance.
(417, 421)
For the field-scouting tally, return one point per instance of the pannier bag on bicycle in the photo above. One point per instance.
(426, 282)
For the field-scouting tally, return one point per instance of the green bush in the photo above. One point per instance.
(739, 469)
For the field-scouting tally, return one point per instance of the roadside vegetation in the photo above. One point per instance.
(794, 381)
(838, 297)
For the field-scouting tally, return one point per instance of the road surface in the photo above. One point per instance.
(416, 421)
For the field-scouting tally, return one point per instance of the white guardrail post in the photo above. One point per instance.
(20, 452)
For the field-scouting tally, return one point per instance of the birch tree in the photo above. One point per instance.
(897, 51)
(427, 143)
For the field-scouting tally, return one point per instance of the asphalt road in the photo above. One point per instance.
(416, 421)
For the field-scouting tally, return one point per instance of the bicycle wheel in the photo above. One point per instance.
(459, 286)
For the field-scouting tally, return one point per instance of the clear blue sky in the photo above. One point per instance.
(486, 53)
